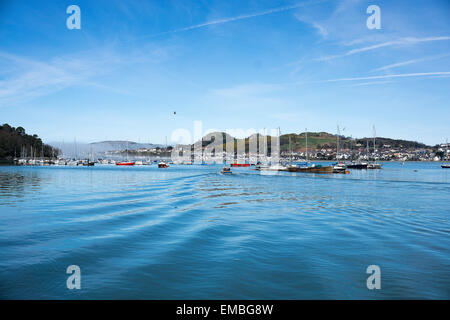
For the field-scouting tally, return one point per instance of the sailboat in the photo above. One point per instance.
(373, 165)
(162, 163)
(339, 167)
(446, 165)
(278, 166)
(90, 162)
(262, 166)
(310, 168)
(125, 163)
(355, 164)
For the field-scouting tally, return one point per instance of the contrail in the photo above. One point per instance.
(241, 17)
(402, 41)
(404, 63)
(402, 75)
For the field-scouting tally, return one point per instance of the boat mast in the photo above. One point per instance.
(374, 134)
(265, 146)
(75, 148)
(258, 139)
(306, 137)
(337, 145)
(279, 144)
(446, 150)
(367, 150)
(290, 149)
(351, 148)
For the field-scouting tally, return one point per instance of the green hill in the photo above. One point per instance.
(317, 140)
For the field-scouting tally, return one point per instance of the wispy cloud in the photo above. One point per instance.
(370, 83)
(402, 41)
(241, 17)
(23, 79)
(316, 25)
(408, 62)
(32, 78)
(388, 76)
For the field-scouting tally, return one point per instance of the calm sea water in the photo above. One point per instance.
(188, 232)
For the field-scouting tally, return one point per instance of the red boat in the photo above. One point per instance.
(240, 164)
(124, 163)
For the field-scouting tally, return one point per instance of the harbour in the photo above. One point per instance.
(190, 232)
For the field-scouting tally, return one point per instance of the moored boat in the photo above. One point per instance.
(260, 167)
(124, 163)
(374, 166)
(357, 165)
(274, 167)
(240, 165)
(311, 169)
(127, 162)
(340, 168)
(446, 165)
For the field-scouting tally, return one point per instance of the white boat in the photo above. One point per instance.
(374, 166)
(275, 167)
(260, 167)
(72, 163)
(339, 168)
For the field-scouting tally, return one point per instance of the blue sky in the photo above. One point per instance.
(230, 64)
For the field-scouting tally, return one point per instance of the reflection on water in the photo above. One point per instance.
(16, 184)
(190, 232)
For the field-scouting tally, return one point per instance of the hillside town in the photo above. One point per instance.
(384, 153)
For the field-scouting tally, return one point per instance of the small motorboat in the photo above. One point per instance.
(374, 166)
(225, 170)
(162, 165)
(445, 166)
(339, 168)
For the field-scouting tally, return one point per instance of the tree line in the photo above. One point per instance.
(15, 142)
